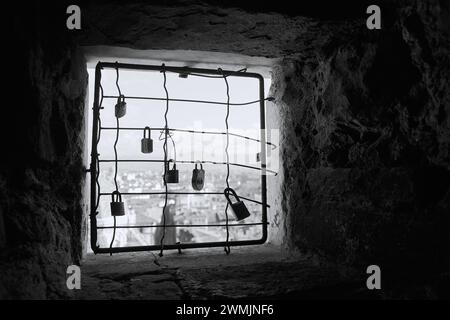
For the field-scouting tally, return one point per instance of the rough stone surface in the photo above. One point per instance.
(365, 146)
(364, 120)
(201, 26)
(41, 174)
(210, 274)
(247, 273)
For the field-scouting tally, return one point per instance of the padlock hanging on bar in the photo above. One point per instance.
(239, 209)
(121, 107)
(147, 143)
(198, 177)
(171, 174)
(117, 206)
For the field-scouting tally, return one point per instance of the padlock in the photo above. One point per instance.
(121, 106)
(117, 206)
(239, 208)
(171, 174)
(147, 143)
(198, 178)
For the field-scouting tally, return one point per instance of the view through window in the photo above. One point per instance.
(144, 211)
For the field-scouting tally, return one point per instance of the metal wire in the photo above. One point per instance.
(115, 155)
(97, 182)
(169, 134)
(193, 162)
(227, 247)
(117, 80)
(208, 76)
(185, 225)
(186, 193)
(195, 131)
(191, 101)
(115, 158)
(166, 126)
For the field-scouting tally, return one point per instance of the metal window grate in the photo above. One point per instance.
(95, 161)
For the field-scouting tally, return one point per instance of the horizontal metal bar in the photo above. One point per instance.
(208, 76)
(254, 201)
(161, 192)
(182, 70)
(189, 131)
(102, 194)
(181, 246)
(185, 100)
(182, 226)
(190, 162)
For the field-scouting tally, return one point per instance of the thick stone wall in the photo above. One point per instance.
(42, 173)
(366, 145)
(364, 120)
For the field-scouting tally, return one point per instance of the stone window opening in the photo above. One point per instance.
(151, 85)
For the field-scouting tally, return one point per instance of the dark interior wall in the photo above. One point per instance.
(41, 169)
(366, 145)
(364, 120)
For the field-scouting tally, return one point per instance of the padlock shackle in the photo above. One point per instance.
(118, 196)
(174, 164)
(149, 132)
(227, 192)
(199, 162)
(120, 98)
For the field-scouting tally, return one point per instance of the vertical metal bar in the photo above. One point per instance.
(93, 168)
(263, 157)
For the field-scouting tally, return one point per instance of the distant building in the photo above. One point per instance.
(170, 236)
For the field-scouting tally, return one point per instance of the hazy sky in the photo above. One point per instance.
(141, 113)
